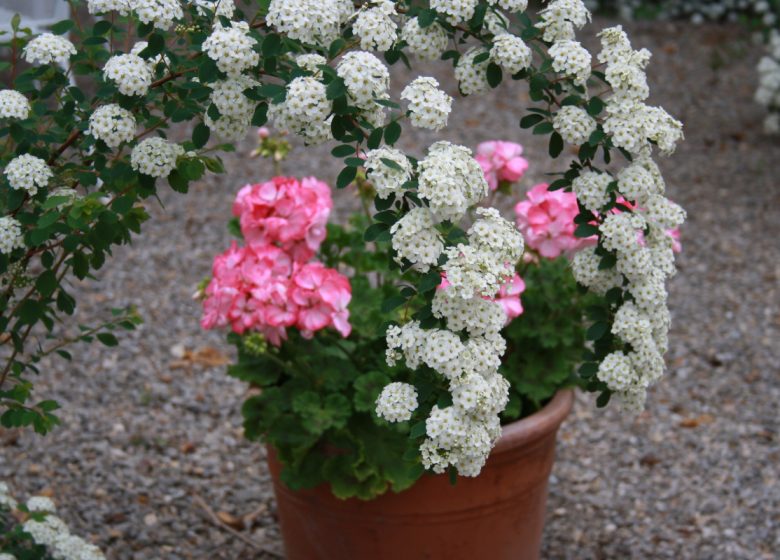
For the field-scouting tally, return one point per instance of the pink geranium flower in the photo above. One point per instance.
(501, 161)
(546, 220)
(285, 212)
(509, 298)
(322, 295)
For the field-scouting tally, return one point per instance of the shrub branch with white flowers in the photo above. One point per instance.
(308, 66)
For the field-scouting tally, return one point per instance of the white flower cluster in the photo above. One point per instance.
(513, 6)
(11, 237)
(428, 43)
(112, 124)
(416, 239)
(51, 532)
(316, 22)
(561, 18)
(768, 92)
(96, 7)
(161, 13)
(47, 49)
(304, 111)
(472, 76)
(510, 53)
(450, 180)
(310, 62)
(235, 108)
(366, 78)
(429, 106)
(455, 11)
(487, 262)
(591, 188)
(129, 72)
(13, 105)
(574, 124)
(571, 59)
(631, 123)
(155, 157)
(387, 179)
(397, 402)
(232, 48)
(28, 172)
(375, 27)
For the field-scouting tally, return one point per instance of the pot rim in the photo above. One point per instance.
(548, 419)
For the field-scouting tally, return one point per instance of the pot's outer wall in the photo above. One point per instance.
(498, 515)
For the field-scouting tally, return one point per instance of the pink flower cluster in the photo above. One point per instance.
(546, 220)
(269, 284)
(501, 161)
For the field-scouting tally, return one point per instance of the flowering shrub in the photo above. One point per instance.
(768, 92)
(32, 531)
(298, 63)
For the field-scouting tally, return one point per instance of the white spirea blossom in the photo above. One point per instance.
(228, 96)
(574, 124)
(768, 91)
(13, 105)
(560, 19)
(496, 23)
(473, 272)
(232, 48)
(28, 172)
(41, 503)
(304, 110)
(586, 271)
(48, 48)
(416, 239)
(155, 157)
(129, 72)
(615, 45)
(451, 180)
(477, 316)
(72, 547)
(493, 233)
(664, 212)
(428, 43)
(397, 402)
(632, 324)
(455, 11)
(472, 76)
(365, 76)
(228, 128)
(96, 7)
(591, 189)
(310, 62)
(616, 371)
(572, 60)
(636, 183)
(46, 532)
(510, 53)
(11, 238)
(374, 26)
(315, 22)
(387, 180)
(311, 132)
(112, 124)
(429, 106)
(513, 6)
(161, 13)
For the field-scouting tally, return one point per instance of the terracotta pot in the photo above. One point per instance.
(495, 516)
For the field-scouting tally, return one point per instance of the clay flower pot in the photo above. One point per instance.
(497, 515)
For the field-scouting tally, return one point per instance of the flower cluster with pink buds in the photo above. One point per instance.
(271, 284)
(501, 161)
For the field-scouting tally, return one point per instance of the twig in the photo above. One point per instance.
(218, 522)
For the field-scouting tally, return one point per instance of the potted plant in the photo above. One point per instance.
(87, 140)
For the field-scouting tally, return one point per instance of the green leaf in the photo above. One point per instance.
(603, 399)
(271, 44)
(595, 106)
(342, 151)
(62, 27)
(429, 281)
(494, 75)
(393, 302)
(46, 283)
(107, 338)
(260, 116)
(392, 132)
(375, 138)
(336, 88)
(530, 120)
(418, 430)
(588, 369)
(556, 145)
(543, 128)
(374, 231)
(367, 388)
(425, 18)
(586, 230)
(391, 164)
(597, 330)
(346, 176)
(200, 135)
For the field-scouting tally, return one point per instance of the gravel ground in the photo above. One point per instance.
(152, 444)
